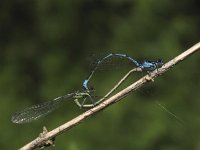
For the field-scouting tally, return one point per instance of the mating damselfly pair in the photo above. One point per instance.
(87, 94)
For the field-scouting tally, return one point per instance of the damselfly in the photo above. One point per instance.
(146, 65)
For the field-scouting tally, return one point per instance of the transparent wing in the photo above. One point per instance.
(114, 61)
(39, 110)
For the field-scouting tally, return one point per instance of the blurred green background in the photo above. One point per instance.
(44, 50)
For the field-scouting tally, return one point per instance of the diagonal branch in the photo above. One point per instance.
(41, 141)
